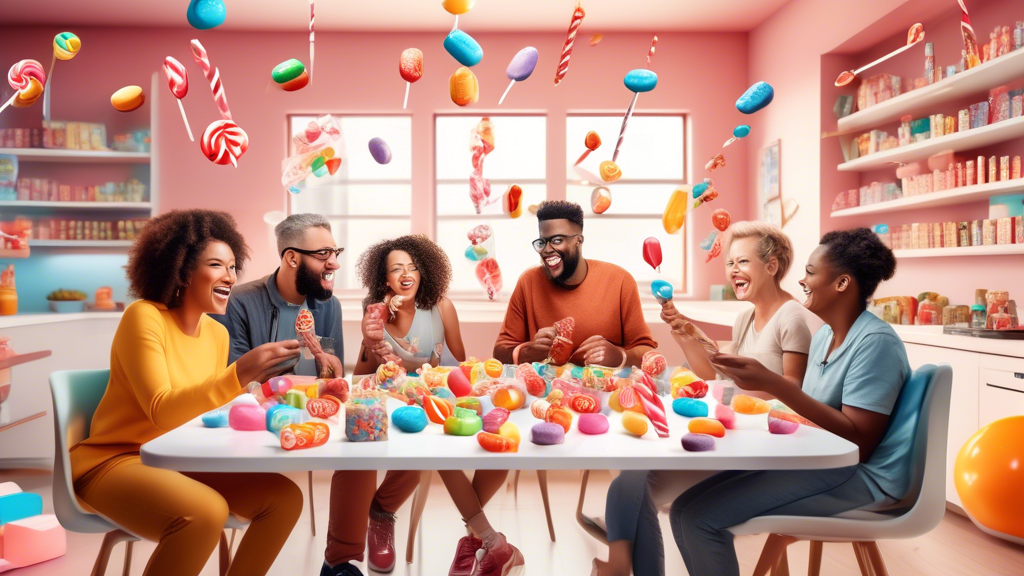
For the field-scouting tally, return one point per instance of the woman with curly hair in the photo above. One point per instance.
(406, 314)
(168, 364)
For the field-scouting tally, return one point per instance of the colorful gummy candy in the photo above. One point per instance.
(496, 443)
(509, 398)
(726, 416)
(559, 416)
(463, 48)
(494, 419)
(698, 442)
(216, 418)
(634, 423)
(323, 407)
(674, 217)
(379, 150)
(463, 422)
(535, 385)
(438, 409)
(593, 423)
(706, 426)
(366, 418)
(743, 404)
(458, 383)
(247, 417)
(690, 408)
(470, 403)
(307, 435)
(584, 404)
(547, 434)
(290, 75)
(409, 419)
(779, 426)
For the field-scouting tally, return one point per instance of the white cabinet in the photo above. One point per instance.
(1002, 388)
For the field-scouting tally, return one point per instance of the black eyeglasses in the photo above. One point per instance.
(321, 254)
(556, 241)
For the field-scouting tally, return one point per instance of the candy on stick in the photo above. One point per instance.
(610, 171)
(290, 75)
(652, 253)
(463, 48)
(213, 77)
(128, 99)
(520, 68)
(224, 142)
(600, 200)
(674, 217)
(639, 80)
(456, 7)
(717, 162)
(721, 219)
(410, 66)
(27, 78)
(206, 14)
(914, 35)
(311, 13)
(512, 201)
(970, 49)
(65, 47)
(662, 291)
(741, 131)
(592, 141)
(489, 275)
(570, 39)
(177, 81)
(380, 151)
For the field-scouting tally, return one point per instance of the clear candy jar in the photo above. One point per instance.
(366, 418)
(978, 316)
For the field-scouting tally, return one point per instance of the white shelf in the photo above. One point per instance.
(79, 243)
(79, 156)
(995, 250)
(922, 101)
(91, 206)
(943, 198)
(958, 142)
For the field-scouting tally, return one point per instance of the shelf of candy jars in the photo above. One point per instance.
(989, 237)
(993, 250)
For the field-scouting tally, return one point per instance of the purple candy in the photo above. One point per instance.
(547, 433)
(493, 420)
(593, 423)
(698, 442)
(522, 64)
(380, 151)
(780, 426)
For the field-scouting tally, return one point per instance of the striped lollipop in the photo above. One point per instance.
(177, 81)
(213, 77)
(27, 78)
(570, 39)
(224, 142)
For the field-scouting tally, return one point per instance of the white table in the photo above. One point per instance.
(193, 448)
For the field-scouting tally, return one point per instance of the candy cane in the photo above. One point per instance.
(311, 41)
(650, 52)
(570, 39)
(213, 76)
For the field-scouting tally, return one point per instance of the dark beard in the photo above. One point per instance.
(570, 262)
(308, 283)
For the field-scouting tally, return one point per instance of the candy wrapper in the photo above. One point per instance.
(561, 349)
(599, 378)
(535, 385)
(389, 376)
(304, 324)
(481, 144)
(307, 435)
(366, 418)
(314, 152)
(489, 274)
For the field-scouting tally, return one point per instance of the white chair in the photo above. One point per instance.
(923, 404)
(76, 393)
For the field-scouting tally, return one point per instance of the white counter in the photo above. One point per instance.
(53, 318)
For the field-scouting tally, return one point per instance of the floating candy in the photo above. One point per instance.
(637, 81)
(290, 75)
(653, 363)
(704, 192)
(128, 98)
(721, 219)
(634, 423)
(726, 416)
(520, 68)
(213, 77)
(561, 349)
(311, 14)
(708, 240)
(755, 98)
(662, 291)
(462, 423)
(652, 253)
(698, 442)
(512, 201)
(323, 407)
(494, 419)
(316, 140)
(592, 142)
(674, 217)
(489, 275)
(410, 66)
(741, 131)
(914, 35)
(610, 171)
(457, 7)
(27, 78)
(547, 434)
(650, 53)
(409, 419)
(463, 48)
(717, 162)
(600, 200)
(596, 39)
(778, 426)
(177, 81)
(206, 14)
(380, 151)
(653, 408)
(481, 144)
(690, 408)
(715, 251)
(570, 39)
(743, 404)
(706, 426)
(65, 47)
(593, 424)
(308, 435)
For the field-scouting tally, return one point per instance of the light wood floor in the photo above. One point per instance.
(954, 548)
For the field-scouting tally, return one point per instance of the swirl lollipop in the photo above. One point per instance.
(65, 47)
(177, 81)
(224, 142)
(27, 78)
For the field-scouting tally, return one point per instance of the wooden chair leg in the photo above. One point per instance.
(589, 525)
(515, 486)
(128, 547)
(863, 562)
(542, 479)
(312, 510)
(419, 502)
(110, 539)
(875, 558)
(781, 567)
(814, 562)
(774, 549)
(224, 554)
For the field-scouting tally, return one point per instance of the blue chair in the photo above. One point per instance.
(76, 393)
(923, 406)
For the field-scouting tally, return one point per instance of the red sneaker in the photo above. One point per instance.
(465, 556)
(381, 540)
(503, 559)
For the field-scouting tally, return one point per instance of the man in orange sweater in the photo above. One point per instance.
(602, 298)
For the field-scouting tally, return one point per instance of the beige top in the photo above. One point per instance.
(788, 330)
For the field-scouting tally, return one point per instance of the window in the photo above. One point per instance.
(519, 157)
(650, 175)
(365, 201)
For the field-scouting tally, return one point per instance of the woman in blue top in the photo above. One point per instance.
(856, 368)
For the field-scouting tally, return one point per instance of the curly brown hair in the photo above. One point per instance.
(164, 255)
(433, 264)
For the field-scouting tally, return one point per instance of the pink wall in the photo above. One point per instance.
(700, 73)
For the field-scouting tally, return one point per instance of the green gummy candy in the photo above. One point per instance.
(287, 70)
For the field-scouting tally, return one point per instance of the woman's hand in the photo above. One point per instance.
(263, 362)
(746, 373)
(373, 322)
(330, 365)
(671, 316)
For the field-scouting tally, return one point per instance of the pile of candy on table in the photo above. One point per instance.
(477, 398)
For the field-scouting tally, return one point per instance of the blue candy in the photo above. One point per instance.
(661, 290)
(463, 48)
(880, 228)
(577, 372)
(755, 98)
(741, 131)
(20, 505)
(409, 418)
(690, 407)
(699, 189)
(442, 392)
(640, 80)
(206, 14)
(281, 415)
(216, 418)
(709, 241)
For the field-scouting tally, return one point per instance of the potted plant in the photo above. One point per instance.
(66, 301)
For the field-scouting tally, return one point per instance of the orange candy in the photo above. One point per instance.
(674, 217)
(634, 423)
(510, 398)
(706, 426)
(306, 435)
(493, 368)
(584, 404)
(988, 477)
(438, 409)
(464, 87)
(743, 404)
(610, 171)
(496, 443)
(559, 416)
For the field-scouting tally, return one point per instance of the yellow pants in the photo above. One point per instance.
(185, 512)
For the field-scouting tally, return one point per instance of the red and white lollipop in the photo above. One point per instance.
(177, 81)
(224, 142)
(28, 79)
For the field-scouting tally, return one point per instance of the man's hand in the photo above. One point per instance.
(671, 316)
(597, 350)
(373, 323)
(330, 365)
(538, 348)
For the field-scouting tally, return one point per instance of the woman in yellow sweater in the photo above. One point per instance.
(168, 364)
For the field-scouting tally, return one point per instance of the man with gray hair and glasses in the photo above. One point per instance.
(265, 310)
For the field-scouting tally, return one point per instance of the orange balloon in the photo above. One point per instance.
(989, 477)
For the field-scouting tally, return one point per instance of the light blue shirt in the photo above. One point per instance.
(866, 371)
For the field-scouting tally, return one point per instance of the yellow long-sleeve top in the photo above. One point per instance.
(160, 378)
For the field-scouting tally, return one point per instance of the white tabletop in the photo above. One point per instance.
(193, 448)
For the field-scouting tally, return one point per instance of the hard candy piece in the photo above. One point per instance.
(547, 434)
(66, 45)
(496, 443)
(706, 426)
(593, 423)
(462, 423)
(287, 71)
(410, 64)
(216, 418)
(610, 171)
(336, 387)
(20, 505)
(755, 98)
(457, 7)
(522, 64)
(559, 416)
(296, 398)
(206, 14)
(698, 442)
(779, 426)
(584, 404)
(726, 416)
(323, 407)
(741, 131)
(33, 540)
(438, 409)
(690, 408)
(634, 423)
(653, 363)
(463, 48)
(535, 385)
(509, 398)
(470, 403)
(307, 435)
(743, 404)
(464, 87)
(409, 418)
(721, 219)
(640, 80)
(458, 383)
(247, 417)
(380, 151)
(281, 415)
(493, 420)
(600, 200)
(686, 384)
(494, 368)
(128, 98)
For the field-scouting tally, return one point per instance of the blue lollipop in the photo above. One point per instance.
(206, 14)
(463, 48)
(662, 291)
(639, 80)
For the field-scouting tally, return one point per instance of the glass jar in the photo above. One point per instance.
(962, 317)
(929, 314)
(1001, 320)
(8, 301)
(978, 316)
(997, 301)
(366, 418)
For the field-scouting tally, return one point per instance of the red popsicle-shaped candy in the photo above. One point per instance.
(410, 65)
